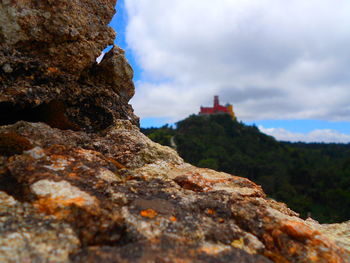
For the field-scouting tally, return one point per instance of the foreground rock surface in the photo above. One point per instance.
(117, 196)
(80, 183)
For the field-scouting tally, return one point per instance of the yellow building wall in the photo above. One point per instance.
(231, 112)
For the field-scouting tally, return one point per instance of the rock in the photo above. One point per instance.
(7, 68)
(80, 183)
(48, 69)
(28, 236)
(339, 233)
(65, 35)
(119, 197)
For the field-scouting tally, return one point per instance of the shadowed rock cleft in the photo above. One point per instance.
(82, 116)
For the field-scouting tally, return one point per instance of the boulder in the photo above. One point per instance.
(48, 68)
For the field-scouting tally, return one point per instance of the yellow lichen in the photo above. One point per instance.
(238, 243)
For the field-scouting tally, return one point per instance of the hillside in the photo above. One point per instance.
(313, 179)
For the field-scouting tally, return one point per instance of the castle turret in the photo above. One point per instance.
(216, 101)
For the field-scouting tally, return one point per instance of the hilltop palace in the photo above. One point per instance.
(218, 109)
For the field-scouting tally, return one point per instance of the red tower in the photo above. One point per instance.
(216, 101)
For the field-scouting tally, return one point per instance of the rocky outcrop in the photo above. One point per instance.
(48, 69)
(80, 183)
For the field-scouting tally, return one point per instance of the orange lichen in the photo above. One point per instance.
(199, 182)
(189, 183)
(298, 230)
(100, 183)
(210, 211)
(30, 168)
(173, 219)
(293, 249)
(57, 206)
(275, 257)
(303, 241)
(149, 213)
(52, 70)
(59, 161)
(72, 175)
(116, 163)
(268, 241)
(322, 247)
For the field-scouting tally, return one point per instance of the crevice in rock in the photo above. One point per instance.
(103, 53)
(12, 187)
(83, 115)
(52, 113)
(12, 143)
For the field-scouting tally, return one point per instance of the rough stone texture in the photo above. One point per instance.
(27, 236)
(68, 35)
(80, 183)
(339, 233)
(136, 201)
(48, 69)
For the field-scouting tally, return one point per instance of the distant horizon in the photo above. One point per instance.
(297, 92)
(307, 136)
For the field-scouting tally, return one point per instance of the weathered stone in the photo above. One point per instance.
(48, 69)
(154, 203)
(65, 35)
(27, 236)
(115, 72)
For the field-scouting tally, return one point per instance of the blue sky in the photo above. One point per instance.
(119, 24)
(284, 67)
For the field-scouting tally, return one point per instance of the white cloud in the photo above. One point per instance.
(273, 59)
(320, 135)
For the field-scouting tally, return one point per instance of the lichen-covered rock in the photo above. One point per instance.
(339, 233)
(80, 183)
(139, 204)
(28, 236)
(123, 142)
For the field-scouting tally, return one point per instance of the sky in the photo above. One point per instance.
(284, 65)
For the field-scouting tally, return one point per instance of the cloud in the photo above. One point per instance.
(319, 135)
(100, 57)
(273, 59)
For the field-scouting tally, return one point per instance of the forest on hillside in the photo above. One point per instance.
(312, 179)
